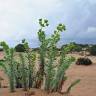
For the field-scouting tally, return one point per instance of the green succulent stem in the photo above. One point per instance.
(24, 75)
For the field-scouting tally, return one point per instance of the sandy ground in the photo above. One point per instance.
(86, 87)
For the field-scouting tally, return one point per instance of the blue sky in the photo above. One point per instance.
(19, 19)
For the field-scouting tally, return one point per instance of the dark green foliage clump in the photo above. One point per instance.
(83, 61)
(92, 50)
(20, 48)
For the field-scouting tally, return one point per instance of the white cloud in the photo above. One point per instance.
(17, 16)
(92, 29)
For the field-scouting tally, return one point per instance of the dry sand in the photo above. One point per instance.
(86, 87)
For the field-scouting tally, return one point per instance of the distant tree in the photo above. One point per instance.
(74, 47)
(84, 45)
(1, 49)
(20, 48)
(77, 48)
(92, 50)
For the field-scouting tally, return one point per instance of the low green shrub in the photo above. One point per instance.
(20, 48)
(83, 61)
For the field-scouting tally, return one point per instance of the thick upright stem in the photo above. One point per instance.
(23, 72)
(11, 77)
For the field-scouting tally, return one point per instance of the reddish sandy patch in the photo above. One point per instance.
(1, 55)
(87, 75)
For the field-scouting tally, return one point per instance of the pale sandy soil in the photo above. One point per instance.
(87, 74)
(86, 87)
